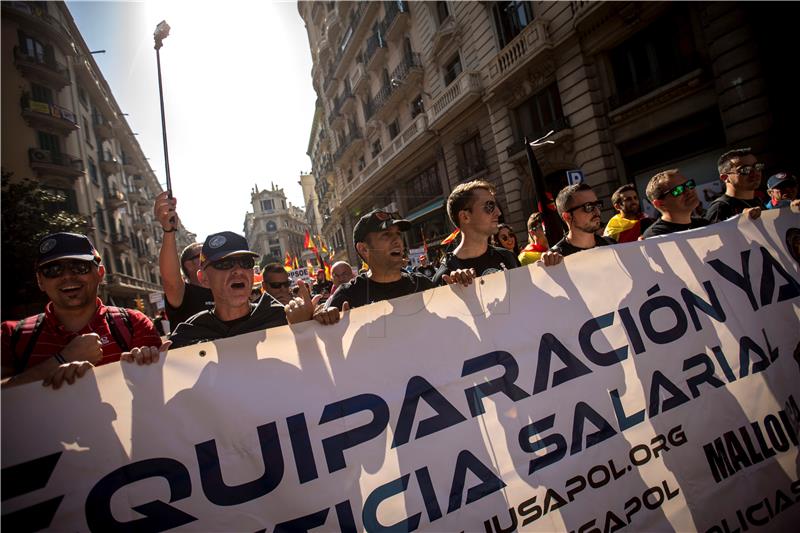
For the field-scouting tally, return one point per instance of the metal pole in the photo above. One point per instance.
(161, 33)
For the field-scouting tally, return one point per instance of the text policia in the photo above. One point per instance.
(535, 438)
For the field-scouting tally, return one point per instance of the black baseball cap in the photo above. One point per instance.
(66, 246)
(377, 220)
(781, 179)
(221, 245)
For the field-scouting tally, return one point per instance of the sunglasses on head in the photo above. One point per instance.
(246, 262)
(746, 170)
(679, 189)
(56, 270)
(588, 207)
(279, 284)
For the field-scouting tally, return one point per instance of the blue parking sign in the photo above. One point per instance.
(574, 177)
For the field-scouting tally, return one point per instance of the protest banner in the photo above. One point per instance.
(650, 384)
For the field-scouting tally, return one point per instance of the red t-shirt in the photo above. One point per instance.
(53, 337)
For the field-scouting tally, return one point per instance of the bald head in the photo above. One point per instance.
(341, 272)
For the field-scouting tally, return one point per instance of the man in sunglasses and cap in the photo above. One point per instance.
(675, 198)
(226, 268)
(378, 239)
(76, 331)
(579, 208)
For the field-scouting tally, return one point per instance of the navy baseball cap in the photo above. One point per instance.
(221, 245)
(781, 179)
(377, 220)
(66, 246)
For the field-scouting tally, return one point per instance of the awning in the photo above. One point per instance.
(430, 208)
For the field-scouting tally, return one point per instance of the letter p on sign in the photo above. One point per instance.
(574, 177)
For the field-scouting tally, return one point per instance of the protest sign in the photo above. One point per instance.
(649, 384)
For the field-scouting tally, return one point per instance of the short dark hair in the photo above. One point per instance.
(188, 252)
(616, 198)
(565, 195)
(273, 268)
(724, 162)
(462, 196)
(534, 220)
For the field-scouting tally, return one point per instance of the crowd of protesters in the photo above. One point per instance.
(210, 291)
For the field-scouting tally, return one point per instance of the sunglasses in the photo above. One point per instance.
(504, 237)
(247, 262)
(56, 270)
(192, 258)
(588, 207)
(745, 171)
(489, 207)
(679, 189)
(279, 284)
(537, 227)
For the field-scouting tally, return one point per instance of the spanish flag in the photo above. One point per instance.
(296, 263)
(287, 263)
(623, 229)
(310, 268)
(450, 238)
(531, 253)
(308, 242)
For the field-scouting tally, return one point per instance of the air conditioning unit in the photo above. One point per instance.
(41, 156)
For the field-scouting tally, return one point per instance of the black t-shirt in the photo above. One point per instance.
(362, 290)
(195, 299)
(726, 207)
(428, 270)
(493, 260)
(662, 227)
(319, 288)
(565, 248)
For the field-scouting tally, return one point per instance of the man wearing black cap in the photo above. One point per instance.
(226, 268)
(782, 190)
(76, 331)
(185, 295)
(379, 242)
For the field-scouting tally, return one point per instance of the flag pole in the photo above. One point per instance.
(554, 230)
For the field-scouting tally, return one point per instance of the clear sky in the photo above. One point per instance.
(237, 95)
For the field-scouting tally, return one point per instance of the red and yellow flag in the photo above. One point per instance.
(287, 263)
(450, 238)
(308, 242)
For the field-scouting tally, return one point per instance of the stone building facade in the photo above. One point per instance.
(416, 97)
(274, 227)
(63, 128)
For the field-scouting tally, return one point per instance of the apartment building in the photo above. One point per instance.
(416, 97)
(63, 128)
(275, 227)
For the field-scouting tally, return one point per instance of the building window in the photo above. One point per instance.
(93, 172)
(649, 59)
(40, 93)
(394, 129)
(510, 18)
(376, 148)
(48, 141)
(99, 217)
(417, 106)
(267, 206)
(82, 97)
(442, 11)
(66, 200)
(471, 158)
(271, 226)
(452, 69)
(34, 48)
(361, 163)
(423, 187)
(538, 115)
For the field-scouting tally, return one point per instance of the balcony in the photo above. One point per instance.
(460, 94)
(129, 164)
(376, 50)
(108, 163)
(122, 283)
(115, 200)
(328, 85)
(55, 163)
(140, 224)
(41, 68)
(348, 144)
(560, 127)
(401, 148)
(33, 16)
(531, 44)
(323, 50)
(396, 20)
(359, 81)
(102, 127)
(48, 116)
(344, 103)
(121, 243)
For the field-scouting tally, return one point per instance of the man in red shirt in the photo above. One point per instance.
(76, 331)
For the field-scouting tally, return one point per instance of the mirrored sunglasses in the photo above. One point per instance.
(244, 261)
(745, 171)
(680, 189)
(57, 269)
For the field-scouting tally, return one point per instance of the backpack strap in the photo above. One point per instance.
(22, 361)
(114, 315)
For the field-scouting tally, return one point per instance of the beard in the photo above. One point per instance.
(591, 226)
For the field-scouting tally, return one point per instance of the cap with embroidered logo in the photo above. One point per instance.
(377, 220)
(221, 245)
(66, 246)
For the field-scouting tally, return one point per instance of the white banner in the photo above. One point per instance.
(647, 384)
